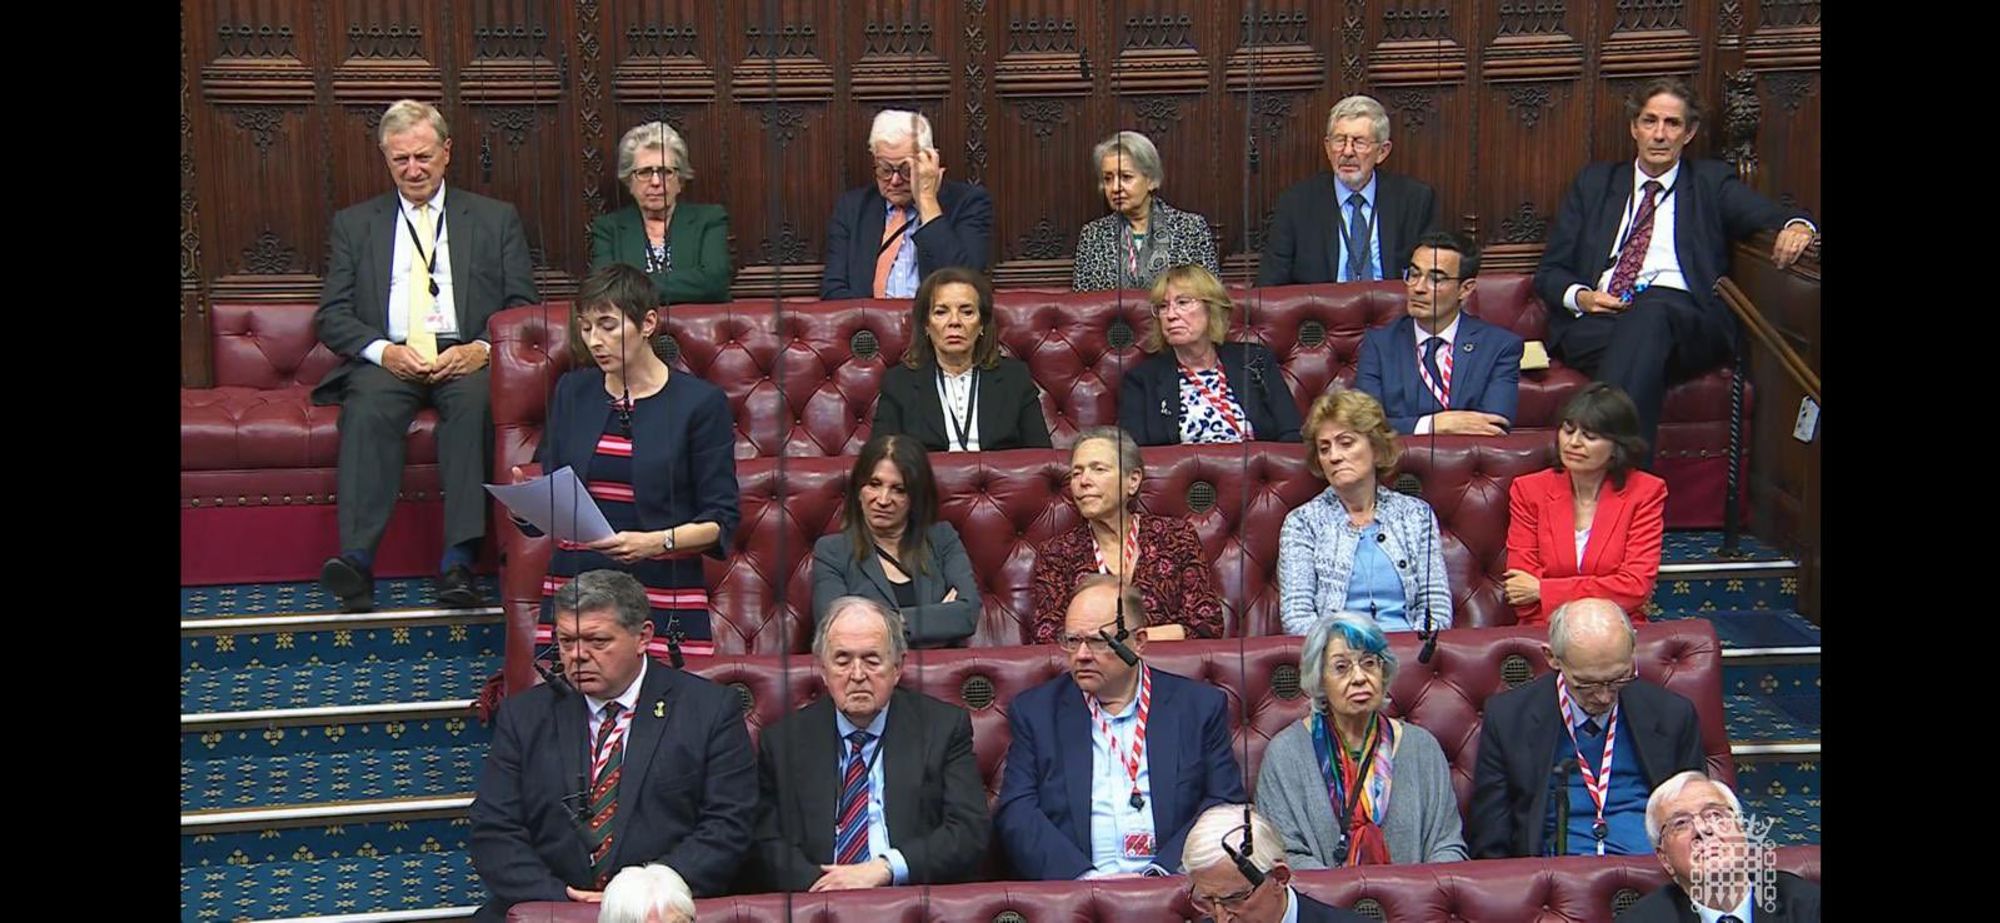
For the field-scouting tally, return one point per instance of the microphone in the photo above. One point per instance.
(1560, 784)
(1117, 642)
(553, 678)
(1248, 869)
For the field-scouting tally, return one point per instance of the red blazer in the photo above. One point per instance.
(1619, 563)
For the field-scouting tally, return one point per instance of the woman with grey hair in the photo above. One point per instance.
(682, 246)
(1143, 235)
(1347, 784)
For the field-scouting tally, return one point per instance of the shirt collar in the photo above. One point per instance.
(1711, 915)
(1367, 191)
(1666, 180)
(1291, 906)
(436, 203)
(629, 699)
(846, 727)
(1450, 331)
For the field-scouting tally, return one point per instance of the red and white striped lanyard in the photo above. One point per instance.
(1219, 402)
(1130, 760)
(1598, 784)
(1439, 390)
(1131, 547)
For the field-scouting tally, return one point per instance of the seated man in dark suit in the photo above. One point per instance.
(1354, 223)
(1216, 879)
(413, 278)
(1589, 719)
(1111, 761)
(617, 762)
(871, 784)
(1719, 871)
(883, 240)
(1630, 269)
(1440, 370)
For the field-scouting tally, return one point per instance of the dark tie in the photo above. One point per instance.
(1590, 727)
(1636, 242)
(1358, 236)
(610, 754)
(1431, 347)
(850, 823)
(1729, 918)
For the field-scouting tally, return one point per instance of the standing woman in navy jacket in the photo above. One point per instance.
(654, 447)
(1202, 389)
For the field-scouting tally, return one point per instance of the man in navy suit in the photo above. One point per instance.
(1354, 222)
(1111, 761)
(621, 761)
(882, 240)
(1440, 370)
(1216, 881)
(1630, 270)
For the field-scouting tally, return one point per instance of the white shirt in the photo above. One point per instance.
(1742, 911)
(1450, 336)
(1111, 812)
(1582, 539)
(955, 396)
(399, 273)
(628, 700)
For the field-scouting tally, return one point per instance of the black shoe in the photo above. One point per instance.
(455, 589)
(351, 582)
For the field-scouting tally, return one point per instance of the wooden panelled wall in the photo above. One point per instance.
(1496, 103)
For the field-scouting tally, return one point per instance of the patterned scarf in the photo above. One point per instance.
(1361, 843)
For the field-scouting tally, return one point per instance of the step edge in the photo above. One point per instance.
(1775, 748)
(1729, 567)
(375, 809)
(335, 620)
(199, 721)
(385, 916)
(1739, 653)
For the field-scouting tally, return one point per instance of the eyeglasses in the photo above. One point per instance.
(1715, 817)
(1360, 144)
(649, 174)
(1436, 277)
(1369, 663)
(1069, 642)
(1231, 904)
(884, 171)
(1615, 685)
(1183, 305)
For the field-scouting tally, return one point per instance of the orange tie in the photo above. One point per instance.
(892, 243)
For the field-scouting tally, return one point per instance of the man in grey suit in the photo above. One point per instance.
(414, 276)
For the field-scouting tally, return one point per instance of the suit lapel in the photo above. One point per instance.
(573, 744)
(381, 247)
(649, 719)
(1232, 356)
(868, 235)
(1544, 727)
(1470, 362)
(930, 412)
(462, 237)
(902, 768)
(1335, 231)
(1073, 727)
(1617, 199)
(871, 566)
(1163, 768)
(815, 768)
(1407, 387)
(1648, 738)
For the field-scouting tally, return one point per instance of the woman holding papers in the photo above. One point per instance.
(654, 447)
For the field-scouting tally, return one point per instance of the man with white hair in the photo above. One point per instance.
(1218, 885)
(1565, 762)
(1696, 825)
(1353, 223)
(882, 240)
(646, 894)
(870, 784)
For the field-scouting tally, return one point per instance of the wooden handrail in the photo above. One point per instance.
(1759, 327)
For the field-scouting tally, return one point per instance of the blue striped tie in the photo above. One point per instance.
(850, 823)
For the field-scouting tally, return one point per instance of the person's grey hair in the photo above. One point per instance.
(643, 889)
(1202, 847)
(1128, 592)
(1128, 448)
(1360, 633)
(605, 590)
(1559, 624)
(656, 135)
(892, 622)
(404, 114)
(1145, 157)
(1671, 789)
(1358, 106)
(894, 125)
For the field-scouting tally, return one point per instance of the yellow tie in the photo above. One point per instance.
(421, 338)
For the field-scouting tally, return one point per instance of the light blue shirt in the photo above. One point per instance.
(878, 828)
(902, 281)
(1111, 813)
(1347, 221)
(1742, 911)
(1375, 588)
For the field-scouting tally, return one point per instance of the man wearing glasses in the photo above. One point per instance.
(1590, 732)
(1719, 876)
(871, 784)
(882, 240)
(1217, 888)
(1110, 762)
(1354, 223)
(1439, 370)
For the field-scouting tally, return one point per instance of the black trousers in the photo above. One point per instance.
(1664, 337)
(375, 415)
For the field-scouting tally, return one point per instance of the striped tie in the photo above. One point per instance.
(608, 756)
(850, 823)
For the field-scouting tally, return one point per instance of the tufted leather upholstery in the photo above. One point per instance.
(1007, 504)
(1573, 890)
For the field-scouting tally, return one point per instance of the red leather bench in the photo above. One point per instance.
(1581, 890)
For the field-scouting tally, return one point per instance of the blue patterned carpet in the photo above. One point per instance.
(317, 683)
(286, 598)
(359, 875)
(281, 766)
(1699, 547)
(1784, 793)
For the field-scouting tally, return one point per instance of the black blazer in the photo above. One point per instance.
(699, 236)
(1712, 209)
(962, 236)
(1312, 911)
(1798, 902)
(1010, 407)
(1149, 397)
(1517, 747)
(490, 270)
(933, 799)
(932, 624)
(1305, 242)
(687, 795)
